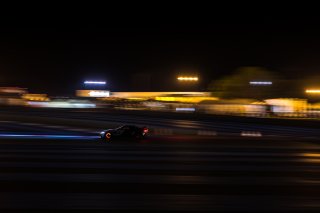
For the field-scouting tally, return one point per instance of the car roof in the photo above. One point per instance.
(130, 126)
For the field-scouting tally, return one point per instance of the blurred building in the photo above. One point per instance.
(35, 97)
(288, 106)
(12, 95)
(93, 93)
(155, 95)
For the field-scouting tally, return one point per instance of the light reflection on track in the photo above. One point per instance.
(46, 136)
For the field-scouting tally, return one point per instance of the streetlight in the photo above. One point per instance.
(260, 83)
(188, 82)
(313, 91)
(95, 82)
(187, 78)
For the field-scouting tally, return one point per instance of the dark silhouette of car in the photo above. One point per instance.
(126, 132)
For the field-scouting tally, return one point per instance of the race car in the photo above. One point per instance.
(124, 132)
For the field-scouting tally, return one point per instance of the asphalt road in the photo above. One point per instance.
(160, 174)
(171, 122)
(59, 167)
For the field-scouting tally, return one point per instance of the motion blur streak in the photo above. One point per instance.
(312, 155)
(48, 136)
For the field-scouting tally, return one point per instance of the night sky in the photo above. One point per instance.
(57, 58)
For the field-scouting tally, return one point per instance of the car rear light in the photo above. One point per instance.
(145, 130)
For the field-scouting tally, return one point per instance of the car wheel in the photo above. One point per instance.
(138, 136)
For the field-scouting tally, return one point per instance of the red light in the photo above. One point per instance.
(145, 130)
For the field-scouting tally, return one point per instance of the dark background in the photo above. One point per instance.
(146, 52)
